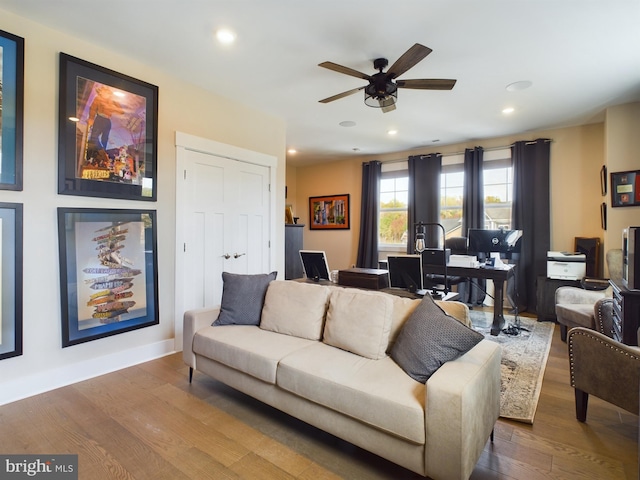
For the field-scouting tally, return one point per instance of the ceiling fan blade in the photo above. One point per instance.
(341, 95)
(408, 60)
(427, 84)
(346, 70)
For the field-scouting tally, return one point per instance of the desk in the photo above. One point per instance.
(449, 297)
(498, 275)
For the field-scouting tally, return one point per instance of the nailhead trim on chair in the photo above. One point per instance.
(601, 325)
(606, 344)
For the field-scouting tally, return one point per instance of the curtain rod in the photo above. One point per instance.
(490, 149)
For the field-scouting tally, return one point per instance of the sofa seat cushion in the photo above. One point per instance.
(376, 392)
(247, 348)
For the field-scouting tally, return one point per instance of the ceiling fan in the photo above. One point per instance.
(382, 90)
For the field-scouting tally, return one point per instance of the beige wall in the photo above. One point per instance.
(182, 107)
(577, 155)
(621, 145)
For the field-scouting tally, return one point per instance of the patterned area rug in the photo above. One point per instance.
(524, 359)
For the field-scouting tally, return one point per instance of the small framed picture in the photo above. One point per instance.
(329, 212)
(625, 189)
(108, 272)
(107, 133)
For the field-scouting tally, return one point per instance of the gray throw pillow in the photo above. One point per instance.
(429, 338)
(243, 298)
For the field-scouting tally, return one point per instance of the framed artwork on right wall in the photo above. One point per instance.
(625, 188)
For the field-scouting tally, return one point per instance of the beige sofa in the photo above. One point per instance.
(320, 354)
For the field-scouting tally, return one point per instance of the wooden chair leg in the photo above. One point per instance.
(582, 399)
(190, 374)
(563, 333)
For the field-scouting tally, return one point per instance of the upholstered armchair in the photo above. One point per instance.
(605, 368)
(576, 307)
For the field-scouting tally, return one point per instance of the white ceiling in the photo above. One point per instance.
(580, 55)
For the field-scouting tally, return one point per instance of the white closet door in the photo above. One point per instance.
(226, 225)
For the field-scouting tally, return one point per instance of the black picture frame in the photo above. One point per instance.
(107, 133)
(108, 272)
(11, 279)
(603, 180)
(12, 108)
(329, 212)
(625, 188)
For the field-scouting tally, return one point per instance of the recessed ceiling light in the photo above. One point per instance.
(225, 36)
(508, 110)
(517, 86)
(392, 132)
(292, 151)
(347, 123)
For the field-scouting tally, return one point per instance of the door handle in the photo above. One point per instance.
(238, 255)
(226, 256)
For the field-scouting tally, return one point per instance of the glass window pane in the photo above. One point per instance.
(393, 227)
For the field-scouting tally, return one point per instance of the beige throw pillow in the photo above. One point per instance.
(295, 308)
(359, 322)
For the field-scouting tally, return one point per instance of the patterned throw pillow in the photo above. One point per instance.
(430, 338)
(243, 298)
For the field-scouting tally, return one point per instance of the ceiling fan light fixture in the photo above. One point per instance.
(381, 98)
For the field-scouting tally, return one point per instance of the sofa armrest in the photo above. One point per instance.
(194, 320)
(462, 405)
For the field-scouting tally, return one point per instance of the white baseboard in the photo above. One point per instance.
(51, 379)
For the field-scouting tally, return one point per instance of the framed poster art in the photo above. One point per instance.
(11, 110)
(11, 280)
(329, 212)
(107, 133)
(625, 189)
(108, 272)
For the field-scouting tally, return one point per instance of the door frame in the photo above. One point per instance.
(186, 142)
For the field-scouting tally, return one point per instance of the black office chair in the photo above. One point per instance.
(458, 246)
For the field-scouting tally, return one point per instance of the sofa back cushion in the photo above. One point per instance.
(359, 321)
(295, 308)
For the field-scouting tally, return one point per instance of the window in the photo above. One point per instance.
(394, 198)
(451, 193)
(498, 194)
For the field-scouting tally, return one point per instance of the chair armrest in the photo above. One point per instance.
(575, 295)
(605, 368)
(194, 320)
(603, 310)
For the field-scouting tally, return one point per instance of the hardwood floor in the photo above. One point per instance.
(148, 422)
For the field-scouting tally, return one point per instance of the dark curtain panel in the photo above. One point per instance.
(424, 198)
(368, 241)
(531, 214)
(472, 291)
(473, 195)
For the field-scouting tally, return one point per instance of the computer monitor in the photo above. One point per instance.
(314, 264)
(504, 242)
(405, 271)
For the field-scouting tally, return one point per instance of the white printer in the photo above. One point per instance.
(566, 265)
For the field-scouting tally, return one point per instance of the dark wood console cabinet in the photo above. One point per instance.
(626, 314)
(292, 245)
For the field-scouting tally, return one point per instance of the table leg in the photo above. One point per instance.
(498, 318)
